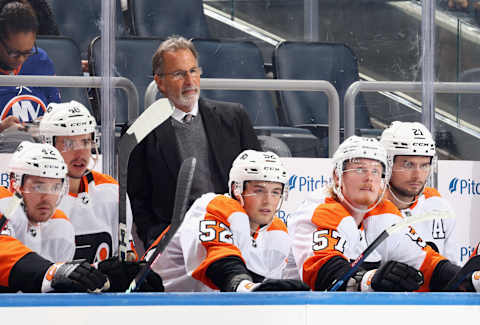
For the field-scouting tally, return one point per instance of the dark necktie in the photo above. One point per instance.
(187, 119)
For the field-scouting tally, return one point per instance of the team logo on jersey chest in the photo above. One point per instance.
(26, 107)
(93, 247)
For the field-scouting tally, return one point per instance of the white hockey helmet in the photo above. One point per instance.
(356, 147)
(66, 119)
(37, 159)
(251, 165)
(359, 147)
(407, 139)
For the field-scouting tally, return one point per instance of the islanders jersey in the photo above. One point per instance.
(94, 215)
(321, 232)
(439, 232)
(25, 102)
(215, 227)
(53, 239)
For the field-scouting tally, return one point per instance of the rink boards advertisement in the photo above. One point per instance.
(458, 181)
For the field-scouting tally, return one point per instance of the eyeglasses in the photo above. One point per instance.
(375, 172)
(15, 54)
(410, 166)
(45, 188)
(276, 194)
(181, 74)
(71, 145)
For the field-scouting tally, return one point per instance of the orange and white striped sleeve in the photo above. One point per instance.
(216, 227)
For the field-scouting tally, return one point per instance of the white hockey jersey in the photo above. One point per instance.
(217, 226)
(322, 231)
(94, 215)
(438, 232)
(53, 239)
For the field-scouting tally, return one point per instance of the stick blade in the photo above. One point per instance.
(154, 115)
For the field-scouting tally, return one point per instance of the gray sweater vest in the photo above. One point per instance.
(192, 142)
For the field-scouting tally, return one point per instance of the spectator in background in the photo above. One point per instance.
(214, 132)
(46, 20)
(19, 55)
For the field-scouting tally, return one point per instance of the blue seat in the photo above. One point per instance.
(65, 55)
(470, 103)
(81, 20)
(237, 60)
(162, 18)
(335, 63)
(243, 60)
(133, 60)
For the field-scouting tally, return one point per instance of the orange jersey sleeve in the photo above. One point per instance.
(215, 235)
(11, 251)
(326, 239)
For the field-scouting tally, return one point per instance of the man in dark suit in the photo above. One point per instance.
(214, 132)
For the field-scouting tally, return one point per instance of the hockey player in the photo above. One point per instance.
(234, 242)
(92, 202)
(411, 153)
(327, 235)
(38, 176)
(21, 269)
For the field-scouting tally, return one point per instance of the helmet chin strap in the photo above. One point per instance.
(415, 197)
(344, 200)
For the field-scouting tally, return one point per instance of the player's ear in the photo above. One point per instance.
(237, 193)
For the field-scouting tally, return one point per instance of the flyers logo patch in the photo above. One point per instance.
(476, 275)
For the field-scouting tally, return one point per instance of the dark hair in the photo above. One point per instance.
(17, 16)
(46, 19)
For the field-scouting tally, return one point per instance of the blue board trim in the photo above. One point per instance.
(231, 299)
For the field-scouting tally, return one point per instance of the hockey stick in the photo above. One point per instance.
(384, 235)
(182, 193)
(153, 116)
(472, 265)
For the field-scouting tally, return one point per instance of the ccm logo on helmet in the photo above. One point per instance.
(78, 124)
(421, 144)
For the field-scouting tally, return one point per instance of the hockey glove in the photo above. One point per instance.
(121, 274)
(396, 276)
(273, 285)
(75, 276)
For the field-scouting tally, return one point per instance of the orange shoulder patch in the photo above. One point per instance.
(222, 207)
(329, 214)
(277, 224)
(59, 214)
(430, 192)
(100, 178)
(4, 192)
(385, 206)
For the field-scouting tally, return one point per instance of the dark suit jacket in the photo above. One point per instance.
(155, 162)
